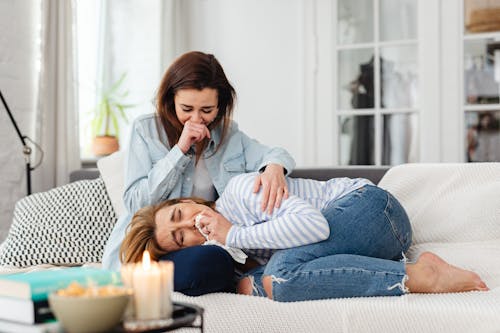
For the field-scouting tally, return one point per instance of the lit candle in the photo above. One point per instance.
(127, 273)
(167, 286)
(146, 280)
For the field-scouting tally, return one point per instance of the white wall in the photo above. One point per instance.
(259, 44)
(19, 54)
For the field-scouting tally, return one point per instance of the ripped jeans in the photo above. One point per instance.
(369, 233)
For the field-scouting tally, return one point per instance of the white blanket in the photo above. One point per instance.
(464, 312)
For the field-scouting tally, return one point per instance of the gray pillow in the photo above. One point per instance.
(68, 225)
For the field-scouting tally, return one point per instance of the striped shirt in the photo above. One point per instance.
(298, 221)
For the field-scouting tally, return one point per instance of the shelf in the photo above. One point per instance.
(481, 107)
(484, 35)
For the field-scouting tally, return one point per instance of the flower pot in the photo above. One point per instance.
(104, 145)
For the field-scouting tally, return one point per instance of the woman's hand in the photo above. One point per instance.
(274, 187)
(215, 226)
(191, 134)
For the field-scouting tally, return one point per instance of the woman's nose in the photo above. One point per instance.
(187, 223)
(196, 117)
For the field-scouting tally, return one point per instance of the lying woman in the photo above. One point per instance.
(340, 238)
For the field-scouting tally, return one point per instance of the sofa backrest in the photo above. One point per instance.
(374, 174)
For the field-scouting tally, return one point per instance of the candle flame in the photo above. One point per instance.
(146, 261)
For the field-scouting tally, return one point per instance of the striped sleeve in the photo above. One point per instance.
(295, 223)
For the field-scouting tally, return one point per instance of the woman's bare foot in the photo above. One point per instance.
(431, 274)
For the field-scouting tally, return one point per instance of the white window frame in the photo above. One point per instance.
(320, 127)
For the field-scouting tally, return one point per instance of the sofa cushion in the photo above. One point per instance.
(448, 202)
(68, 225)
(111, 169)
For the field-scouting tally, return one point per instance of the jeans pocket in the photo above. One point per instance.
(344, 202)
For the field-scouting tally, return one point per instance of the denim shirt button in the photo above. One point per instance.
(188, 179)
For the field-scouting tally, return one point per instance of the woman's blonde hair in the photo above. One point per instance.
(141, 233)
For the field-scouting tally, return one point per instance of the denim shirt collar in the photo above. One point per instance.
(215, 137)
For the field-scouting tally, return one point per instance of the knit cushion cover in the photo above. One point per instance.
(68, 225)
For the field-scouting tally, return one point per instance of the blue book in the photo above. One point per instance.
(36, 286)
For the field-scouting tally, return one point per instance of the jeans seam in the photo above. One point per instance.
(330, 270)
(393, 229)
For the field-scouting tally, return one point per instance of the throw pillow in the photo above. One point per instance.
(111, 170)
(68, 225)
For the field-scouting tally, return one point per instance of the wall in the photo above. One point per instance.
(259, 44)
(18, 78)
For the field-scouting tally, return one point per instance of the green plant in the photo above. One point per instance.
(110, 109)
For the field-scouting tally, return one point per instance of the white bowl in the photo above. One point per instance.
(84, 314)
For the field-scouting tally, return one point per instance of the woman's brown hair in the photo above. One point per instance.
(194, 70)
(141, 233)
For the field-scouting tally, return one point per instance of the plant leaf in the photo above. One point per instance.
(116, 85)
(110, 109)
(122, 113)
(114, 121)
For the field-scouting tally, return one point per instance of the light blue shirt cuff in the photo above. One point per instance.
(231, 236)
(177, 157)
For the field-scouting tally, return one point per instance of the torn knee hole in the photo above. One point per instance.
(267, 282)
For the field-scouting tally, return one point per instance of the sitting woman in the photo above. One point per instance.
(340, 238)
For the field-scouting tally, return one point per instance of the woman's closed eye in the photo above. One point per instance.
(179, 237)
(176, 215)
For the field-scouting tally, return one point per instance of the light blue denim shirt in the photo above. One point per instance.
(155, 172)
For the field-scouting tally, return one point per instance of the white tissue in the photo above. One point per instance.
(237, 254)
(198, 226)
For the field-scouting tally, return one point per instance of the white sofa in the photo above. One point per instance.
(455, 212)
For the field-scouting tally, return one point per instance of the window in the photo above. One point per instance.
(116, 38)
(376, 93)
(87, 27)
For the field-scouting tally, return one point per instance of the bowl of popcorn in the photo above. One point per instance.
(89, 309)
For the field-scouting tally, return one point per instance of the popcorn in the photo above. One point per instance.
(77, 290)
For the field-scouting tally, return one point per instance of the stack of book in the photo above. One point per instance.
(24, 297)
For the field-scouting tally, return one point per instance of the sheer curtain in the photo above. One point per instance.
(140, 39)
(57, 114)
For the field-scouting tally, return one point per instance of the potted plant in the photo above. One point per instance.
(105, 123)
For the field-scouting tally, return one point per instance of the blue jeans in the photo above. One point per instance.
(201, 270)
(369, 233)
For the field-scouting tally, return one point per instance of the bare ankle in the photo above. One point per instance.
(421, 278)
